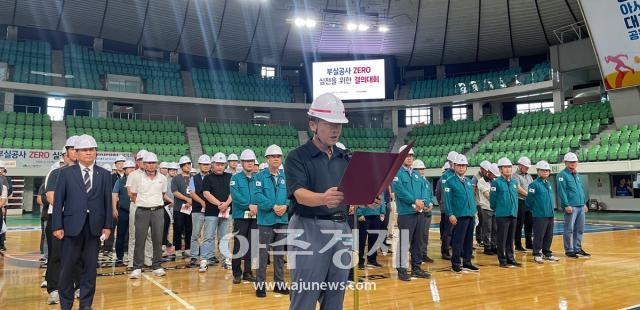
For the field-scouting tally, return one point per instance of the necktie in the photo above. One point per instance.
(87, 180)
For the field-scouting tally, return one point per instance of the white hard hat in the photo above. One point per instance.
(150, 158)
(204, 159)
(273, 150)
(163, 165)
(71, 141)
(2, 164)
(494, 169)
(504, 162)
(173, 166)
(193, 170)
(120, 158)
(233, 157)
(328, 107)
(570, 157)
(485, 164)
(106, 167)
(256, 162)
(461, 160)
(404, 147)
(418, 164)
(446, 166)
(85, 142)
(247, 155)
(452, 156)
(219, 158)
(141, 154)
(543, 165)
(525, 161)
(129, 164)
(64, 150)
(341, 146)
(184, 160)
(263, 166)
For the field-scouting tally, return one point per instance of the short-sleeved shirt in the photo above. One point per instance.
(524, 180)
(309, 168)
(179, 183)
(484, 186)
(52, 179)
(218, 186)
(195, 186)
(133, 179)
(123, 196)
(168, 191)
(149, 191)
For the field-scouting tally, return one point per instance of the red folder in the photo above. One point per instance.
(369, 174)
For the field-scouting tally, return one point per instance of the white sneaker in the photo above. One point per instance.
(551, 258)
(159, 272)
(538, 259)
(136, 274)
(76, 294)
(203, 265)
(54, 298)
(43, 284)
(187, 253)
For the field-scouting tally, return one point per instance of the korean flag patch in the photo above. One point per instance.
(395, 179)
(281, 181)
(493, 189)
(532, 190)
(444, 181)
(446, 189)
(561, 179)
(258, 183)
(232, 183)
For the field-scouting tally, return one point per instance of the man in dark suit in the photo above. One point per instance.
(81, 217)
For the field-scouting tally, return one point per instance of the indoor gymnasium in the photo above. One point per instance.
(319, 154)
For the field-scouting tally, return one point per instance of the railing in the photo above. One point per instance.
(214, 119)
(572, 32)
(82, 112)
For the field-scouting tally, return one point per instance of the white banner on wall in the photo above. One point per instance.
(614, 27)
(43, 159)
(350, 80)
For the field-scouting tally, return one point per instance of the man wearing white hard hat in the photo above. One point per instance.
(167, 246)
(429, 201)
(148, 195)
(484, 167)
(540, 202)
(132, 180)
(446, 229)
(524, 217)
(574, 203)
(198, 206)
(313, 173)
(82, 216)
(409, 188)
(460, 207)
(269, 190)
(182, 204)
(232, 164)
(121, 207)
(489, 226)
(118, 164)
(217, 194)
(52, 276)
(244, 212)
(504, 201)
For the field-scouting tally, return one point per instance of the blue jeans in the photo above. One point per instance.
(573, 230)
(215, 226)
(197, 221)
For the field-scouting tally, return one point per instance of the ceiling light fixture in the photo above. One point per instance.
(310, 23)
(383, 28)
(352, 27)
(299, 22)
(363, 27)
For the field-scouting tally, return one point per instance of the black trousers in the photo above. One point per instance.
(123, 233)
(542, 235)
(446, 230)
(479, 227)
(462, 240)
(242, 227)
(52, 275)
(524, 219)
(411, 226)
(506, 228)
(82, 248)
(370, 231)
(181, 225)
(165, 229)
(2, 236)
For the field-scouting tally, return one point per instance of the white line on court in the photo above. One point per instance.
(170, 293)
(631, 307)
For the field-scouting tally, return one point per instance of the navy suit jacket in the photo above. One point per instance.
(72, 202)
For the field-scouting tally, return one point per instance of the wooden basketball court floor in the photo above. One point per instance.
(609, 280)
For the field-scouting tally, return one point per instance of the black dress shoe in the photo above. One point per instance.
(514, 263)
(261, 293)
(446, 256)
(237, 279)
(427, 259)
(520, 249)
(248, 277)
(470, 267)
(403, 275)
(281, 289)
